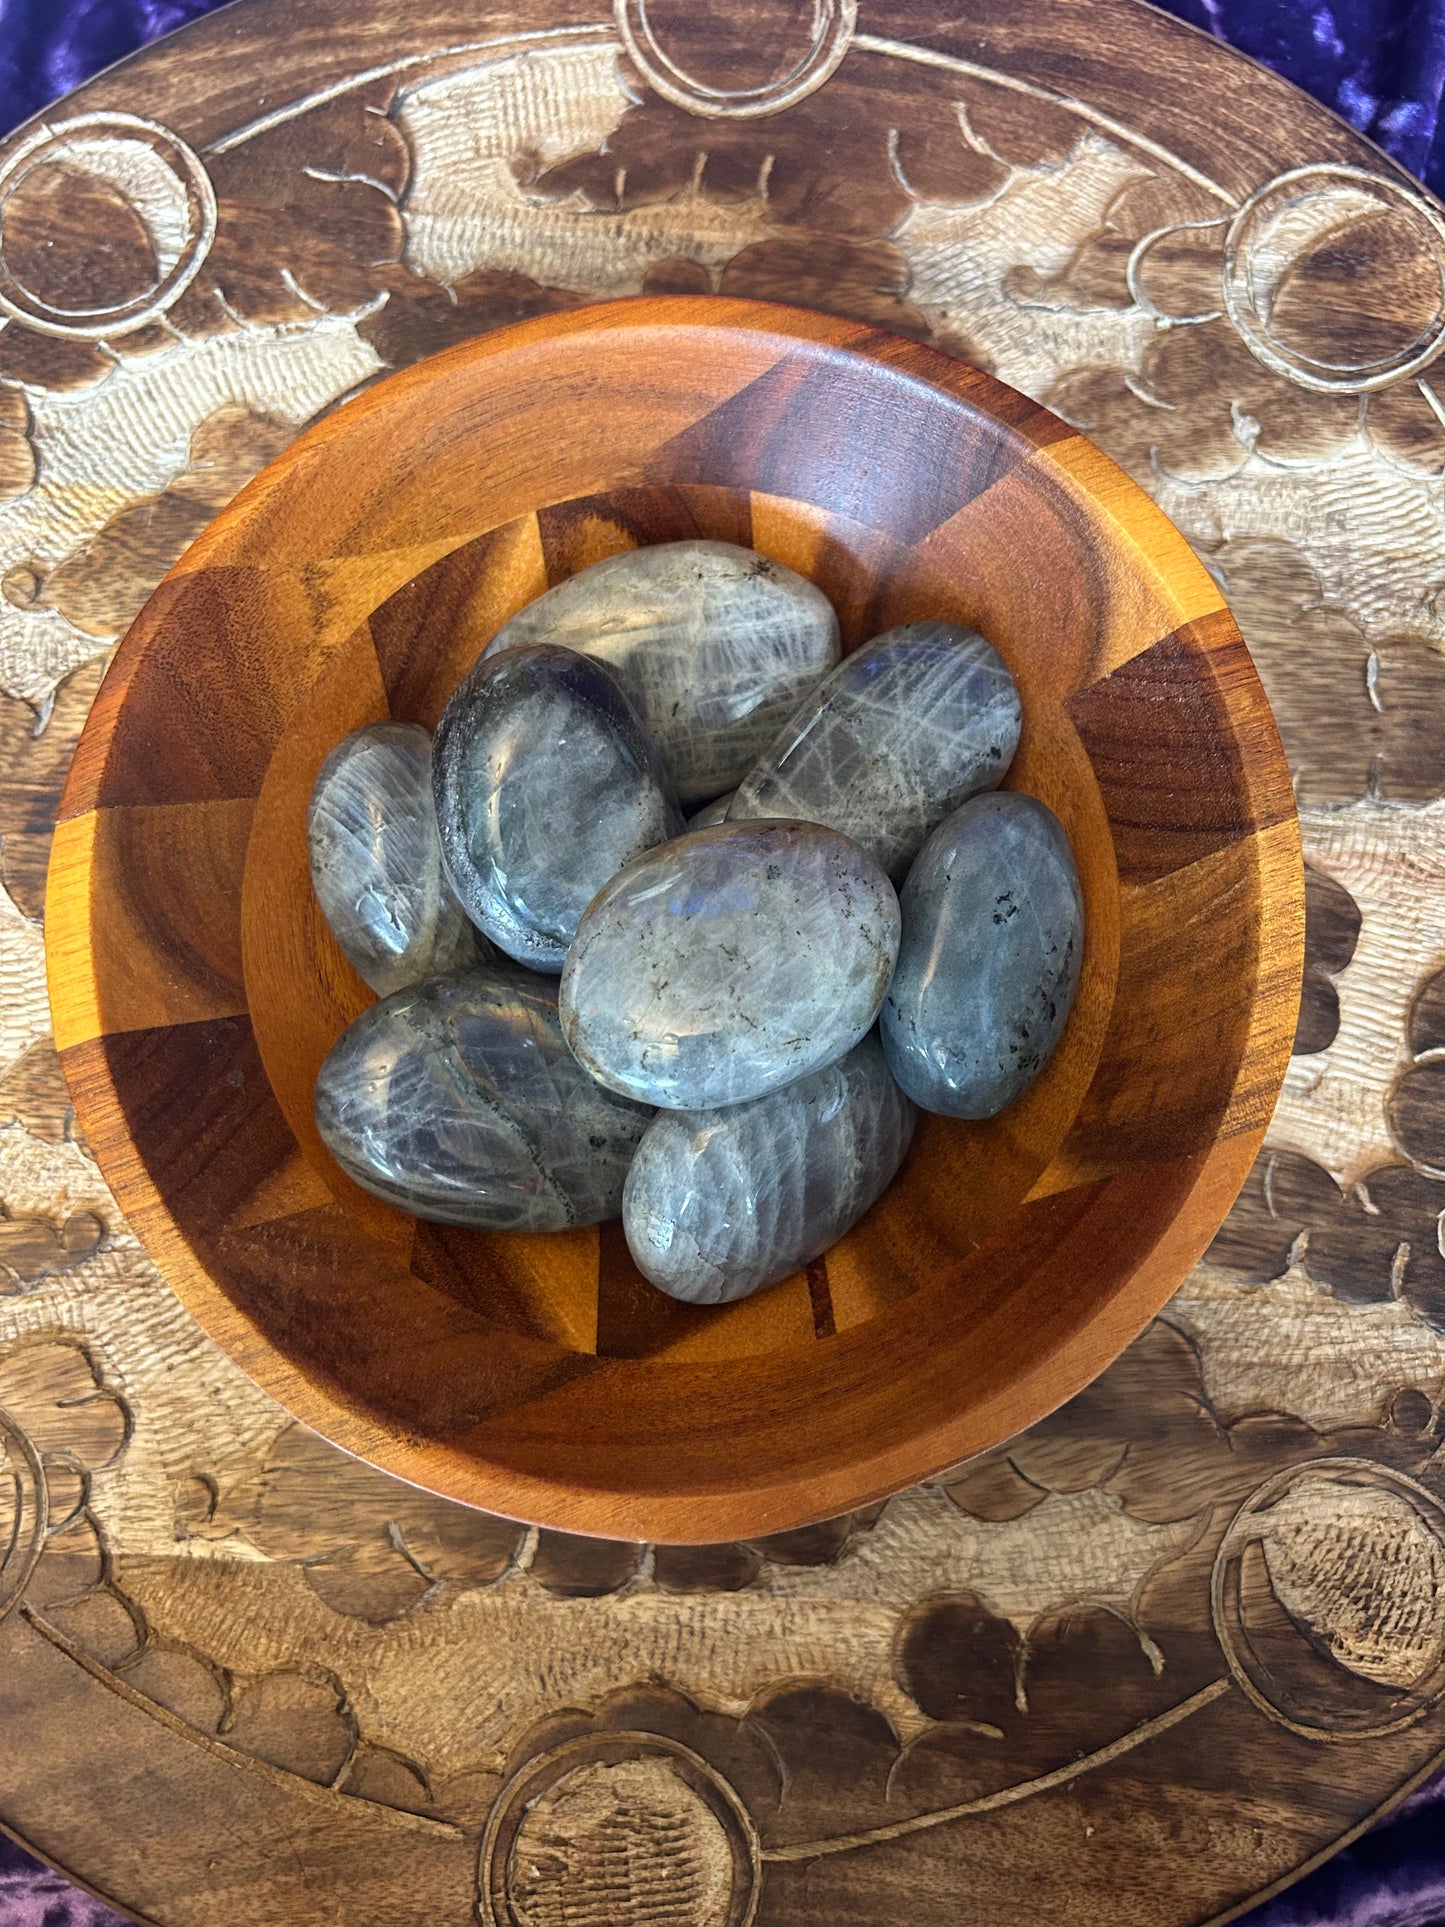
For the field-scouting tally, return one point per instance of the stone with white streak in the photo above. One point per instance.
(376, 860)
(457, 1100)
(898, 735)
(730, 963)
(546, 784)
(993, 937)
(712, 644)
(719, 1203)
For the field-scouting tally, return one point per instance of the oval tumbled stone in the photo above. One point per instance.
(903, 731)
(729, 963)
(719, 1203)
(993, 936)
(546, 784)
(712, 644)
(458, 1101)
(376, 862)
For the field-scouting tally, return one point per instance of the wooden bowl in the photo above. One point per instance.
(196, 989)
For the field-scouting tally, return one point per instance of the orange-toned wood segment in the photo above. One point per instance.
(1010, 1261)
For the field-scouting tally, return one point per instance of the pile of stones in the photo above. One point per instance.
(718, 1024)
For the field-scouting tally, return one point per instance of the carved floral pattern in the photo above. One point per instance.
(940, 215)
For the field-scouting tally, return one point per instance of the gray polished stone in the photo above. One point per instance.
(712, 644)
(719, 1203)
(376, 862)
(903, 731)
(993, 937)
(457, 1100)
(729, 963)
(546, 784)
(711, 813)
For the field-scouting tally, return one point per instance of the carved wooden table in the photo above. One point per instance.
(1162, 1652)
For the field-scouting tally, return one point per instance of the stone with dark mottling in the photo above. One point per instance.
(730, 963)
(993, 937)
(376, 862)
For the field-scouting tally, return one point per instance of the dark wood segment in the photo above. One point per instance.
(578, 403)
(1174, 784)
(820, 1299)
(205, 1123)
(863, 456)
(412, 1354)
(428, 635)
(635, 1321)
(167, 743)
(578, 533)
(542, 1284)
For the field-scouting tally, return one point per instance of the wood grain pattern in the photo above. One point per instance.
(1011, 1683)
(1179, 808)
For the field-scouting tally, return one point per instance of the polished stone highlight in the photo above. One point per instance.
(376, 861)
(712, 644)
(546, 784)
(719, 1203)
(711, 813)
(730, 963)
(458, 1101)
(903, 731)
(993, 937)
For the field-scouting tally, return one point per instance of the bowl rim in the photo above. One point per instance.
(764, 1505)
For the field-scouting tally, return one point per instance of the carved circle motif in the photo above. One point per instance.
(1335, 277)
(24, 1511)
(158, 179)
(1326, 1599)
(614, 1827)
(834, 22)
(173, 1853)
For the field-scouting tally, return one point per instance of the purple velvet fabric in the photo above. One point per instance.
(49, 46)
(33, 1896)
(1393, 1877)
(1380, 64)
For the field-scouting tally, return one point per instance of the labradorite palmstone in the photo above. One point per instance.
(729, 963)
(719, 1203)
(712, 644)
(376, 862)
(458, 1101)
(546, 784)
(993, 935)
(898, 735)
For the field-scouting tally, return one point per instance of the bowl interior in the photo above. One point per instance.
(580, 1289)
(197, 988)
